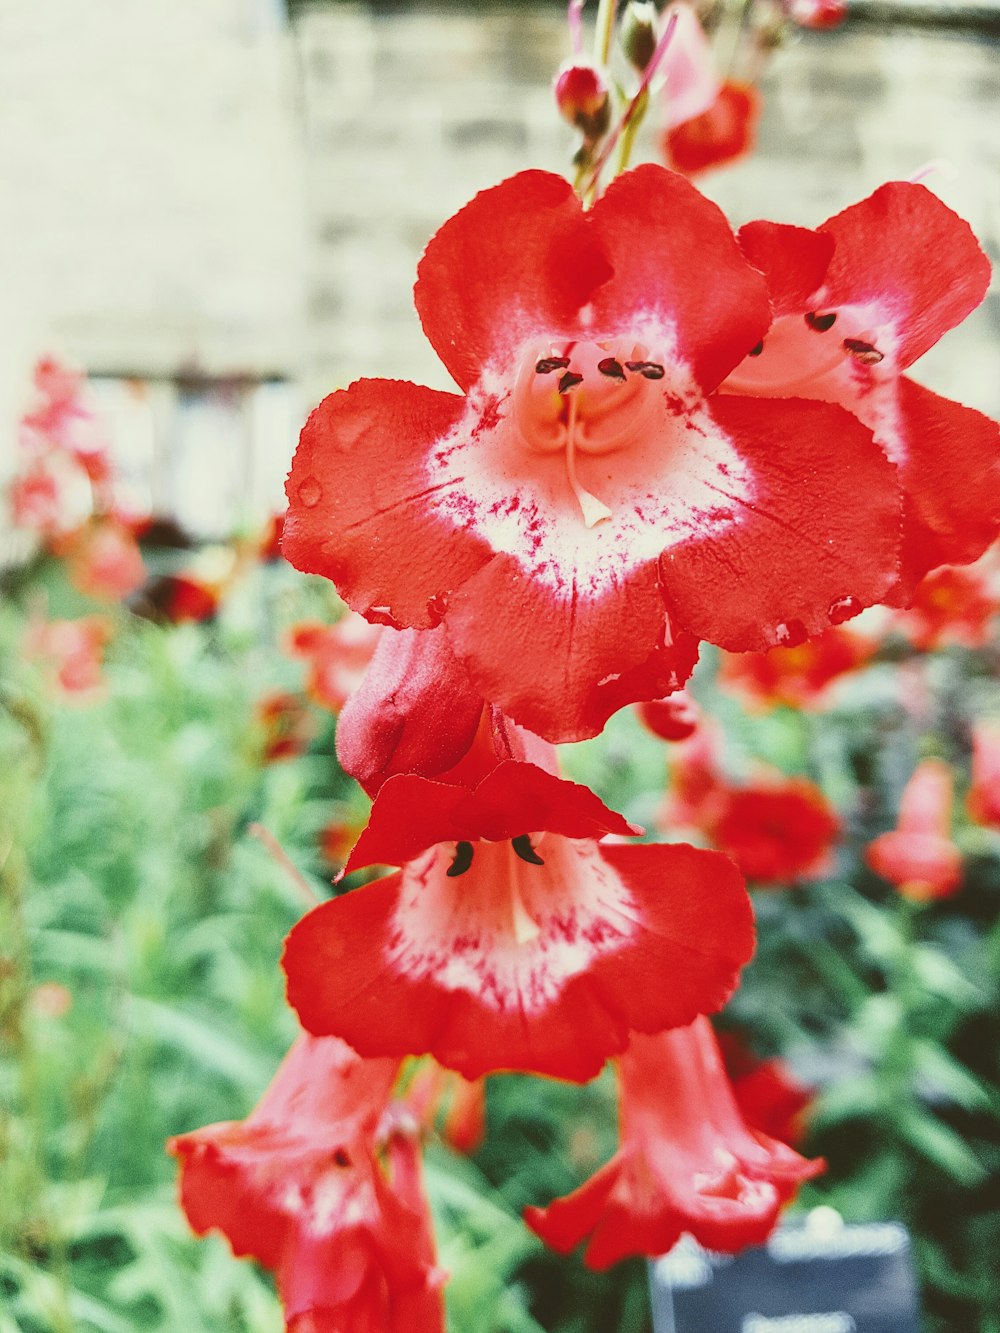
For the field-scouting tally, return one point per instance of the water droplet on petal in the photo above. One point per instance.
(310, 492)
(843, 608)
(790, 633)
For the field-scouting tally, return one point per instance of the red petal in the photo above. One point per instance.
(357, 496)
(794, 261)
(411, 813)
(414, 712)
(559, 655)
(905, 252)
(724, 132)
(821, 524)
(950, 472)
(417, 962)
(677, 267)
(516, 264)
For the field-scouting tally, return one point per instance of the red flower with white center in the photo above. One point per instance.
(856, 303)
(584, 512)
(983, 800)
(336, 655)
(951, 605)
(724, 133)
(510, 938)
(777, 832)
(918, 856)
(796, 677)
(314, 1189)
(688, 1162)
(415, 710)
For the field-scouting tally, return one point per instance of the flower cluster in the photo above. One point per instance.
(664, 433)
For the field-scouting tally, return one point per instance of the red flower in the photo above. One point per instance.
(951, 605)
(984, 792)
(585, 487)
(919, 856)
(771, 1100)
(856, 303)
(687, 1162)
(672, 719)
(817, 13)
(414, 711)
(796, 676)
(725, 132)
(337, 656)
(308, 1186)
(511, 939)
(777, 832)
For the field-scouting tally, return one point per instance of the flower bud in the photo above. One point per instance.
(583, 99)
(637, 35)
(817, 13)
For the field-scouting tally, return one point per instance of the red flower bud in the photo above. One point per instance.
(583, 99)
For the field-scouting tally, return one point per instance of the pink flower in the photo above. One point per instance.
(584, 510)
(71, 652)
(104, 561)
(688, 1162)
(336, 656)
(318, 1186)
(919, 856)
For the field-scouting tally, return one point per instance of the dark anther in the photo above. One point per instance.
(569, 381)
(820, 323)
(863, 352)
(612, 368)
(341, 1157)
(462, 861)
(649, 370)
(550, 363)
(756, 351)
(522, 846)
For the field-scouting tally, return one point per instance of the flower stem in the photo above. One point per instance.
(606, 13)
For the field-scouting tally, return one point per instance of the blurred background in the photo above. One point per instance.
(213, 210)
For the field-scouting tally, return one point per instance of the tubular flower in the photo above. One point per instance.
(586, 511)
(856, 303)
(796, 677)
(918, 856)
(984, 792)
(314, 1187)
(510, 938)
(687, 1162)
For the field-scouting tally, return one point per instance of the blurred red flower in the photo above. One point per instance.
(778, 831)
(919, 856)
(336, 656)
(688, 1162)
(724, 133)
(951, 605)
(796, 676)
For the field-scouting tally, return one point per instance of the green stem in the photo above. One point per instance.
(603, 31)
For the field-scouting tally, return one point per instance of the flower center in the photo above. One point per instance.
(801, 352)
(586, 399)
